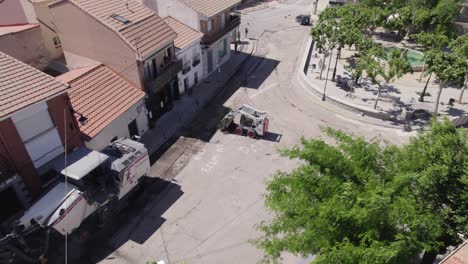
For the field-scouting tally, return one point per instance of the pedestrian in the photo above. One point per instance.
(246, 32)
(235, 46)
(238, 35)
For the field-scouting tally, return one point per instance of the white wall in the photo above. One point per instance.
(38, 133)
(188, 54)
(214, 48)
(177, 10)
(119, 127)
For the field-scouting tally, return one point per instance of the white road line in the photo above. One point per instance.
(263, 90)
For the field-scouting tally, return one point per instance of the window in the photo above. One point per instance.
(196, 60)
(223, 20)
(120, 18)
(57, 42)
(210, 25)
(222, 50)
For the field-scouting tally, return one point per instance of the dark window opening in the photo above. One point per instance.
(120, 18)
(11, 207)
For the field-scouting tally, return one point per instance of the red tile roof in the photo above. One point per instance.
(185, 34)
(22, 85)
(101, 95)
(459, 256)
(145, 32)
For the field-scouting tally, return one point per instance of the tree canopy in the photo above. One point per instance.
(369, 202)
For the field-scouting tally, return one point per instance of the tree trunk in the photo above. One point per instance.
(336, 64)
(323, 65)
(429, 257)
(436, 110)
(423, 70)
(378, 96)
(421, 97)
(462, 91)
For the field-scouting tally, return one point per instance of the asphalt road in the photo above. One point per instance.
(212, 199)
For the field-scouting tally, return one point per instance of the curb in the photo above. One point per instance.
(312, 88)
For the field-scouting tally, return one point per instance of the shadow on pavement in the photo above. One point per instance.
(137, 223)
(273, 137)
(251, 75)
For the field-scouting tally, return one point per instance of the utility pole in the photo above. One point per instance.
(326, 78)
(336, 63)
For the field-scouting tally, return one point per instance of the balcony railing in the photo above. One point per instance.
(228, 27)
(195, 62)
(186, 69)
(164, 76)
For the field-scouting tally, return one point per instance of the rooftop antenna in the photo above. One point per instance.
(126, 5)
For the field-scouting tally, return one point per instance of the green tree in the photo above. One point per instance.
(460, 47)
(346, 204)
(449, 69)
(435, 164)
(429, 41)
(325, 32)
(443, 17)
(396, 66)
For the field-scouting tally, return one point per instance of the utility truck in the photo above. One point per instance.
(92, 188)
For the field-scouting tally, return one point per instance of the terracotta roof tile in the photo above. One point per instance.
(185, 34)
(101, 95)
(210, 8)
(22, 85)
(459, 256)
(145, 32)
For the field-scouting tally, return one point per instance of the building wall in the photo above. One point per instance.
(26, 46)
(48, 29)
(188, 55)
(60, 109)
(216, 23)
(177, 10)
(83, 36)
(26, 134)
(13, 150)
(119, 127)
(217, 60)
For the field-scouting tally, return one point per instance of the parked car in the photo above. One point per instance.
(303, 19)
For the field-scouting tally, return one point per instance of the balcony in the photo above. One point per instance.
(164, 76)
(195, 62)
(186, 69)
(228, 27)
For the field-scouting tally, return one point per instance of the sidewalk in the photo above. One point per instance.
(394, 99)
(185, 109)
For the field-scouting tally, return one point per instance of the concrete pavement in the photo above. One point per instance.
(188, 106)
(213, 199)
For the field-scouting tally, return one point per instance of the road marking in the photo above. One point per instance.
(263, 90)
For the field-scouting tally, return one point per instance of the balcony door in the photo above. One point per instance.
(210, 61)
(223, 21)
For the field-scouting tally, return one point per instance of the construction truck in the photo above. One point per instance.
(92, 188)
(245, 120)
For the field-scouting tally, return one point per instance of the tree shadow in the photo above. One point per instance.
(455, 112)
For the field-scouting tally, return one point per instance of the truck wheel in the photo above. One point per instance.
(239, 131)
(251, 134)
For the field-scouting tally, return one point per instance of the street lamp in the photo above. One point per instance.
(82, 119)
